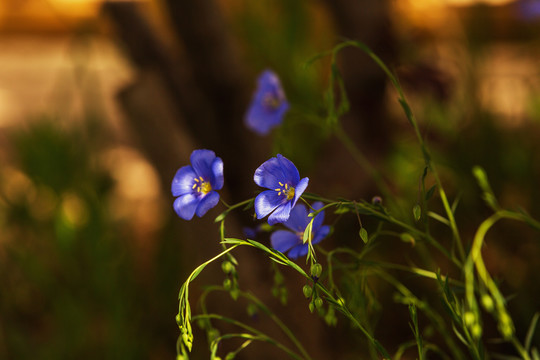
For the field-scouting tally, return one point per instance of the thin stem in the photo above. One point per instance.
(231, 208)
(520, 349)
(266, 310)
(259, 335)
(362, 161)
(475, 257)
(370, 210)
(281, 325)
(412, 119)
(337, 303)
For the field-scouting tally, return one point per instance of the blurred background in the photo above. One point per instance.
(102, 101)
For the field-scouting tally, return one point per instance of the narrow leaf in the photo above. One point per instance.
(430, 192)
(417, 212)
(364, 235)
(530, 332)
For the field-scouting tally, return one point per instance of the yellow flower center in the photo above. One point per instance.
(286, 190)
(271, 101)
(201, 186)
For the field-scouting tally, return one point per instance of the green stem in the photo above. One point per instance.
(412, 119)
(281, 325)
(266, 310)
(259, 335)
(475, 257)
(337, 303)
(363, 161)
(230, 208)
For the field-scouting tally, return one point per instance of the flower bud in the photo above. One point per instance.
(316, 270)
(487, 302)
(469, 318)
(308, 291)
(476, 331)
(318, 303)
(227, 267)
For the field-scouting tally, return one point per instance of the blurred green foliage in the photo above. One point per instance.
(71, 286)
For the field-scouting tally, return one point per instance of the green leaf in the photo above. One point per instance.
(408, 238)
(364, 235)
(417, 212)
(488, 196)
(307, 232)
(530, 333)
(221, 216)
(430, 192)
(341, 210)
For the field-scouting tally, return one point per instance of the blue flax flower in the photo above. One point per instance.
(195, 184)
(282, 178)
(268, 105)
(292, 241)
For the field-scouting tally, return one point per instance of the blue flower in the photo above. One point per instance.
(292, 241)
(268, 105)
(282, 178)
(195, 184)
(250, 232)
(529, 9)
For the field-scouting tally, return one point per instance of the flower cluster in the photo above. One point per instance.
(195, 186)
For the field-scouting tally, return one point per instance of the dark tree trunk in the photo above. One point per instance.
(366, 21)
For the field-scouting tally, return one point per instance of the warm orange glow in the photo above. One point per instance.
(474, 2)
(137, 194)
(431, 4)
(48, 15)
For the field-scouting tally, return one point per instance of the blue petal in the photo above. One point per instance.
(298, 251)
(283, 240)
(185, 206)
(259, 120)
(275, 170)
(183, 181)
(250, 233)
(217, 170)
(290, 172)
(266, 202)
(281, 214)
(208, 201)
(298, 219)
(269, 174)
(299, 189)
(319, 219)
(281, 111)
(268, 80)
(320, 234)
(201, 161)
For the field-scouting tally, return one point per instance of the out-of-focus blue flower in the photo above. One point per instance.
(291, 241)
(282, 178)
(268, 105)
(195, 184)
(529, 9)
(250, 232)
